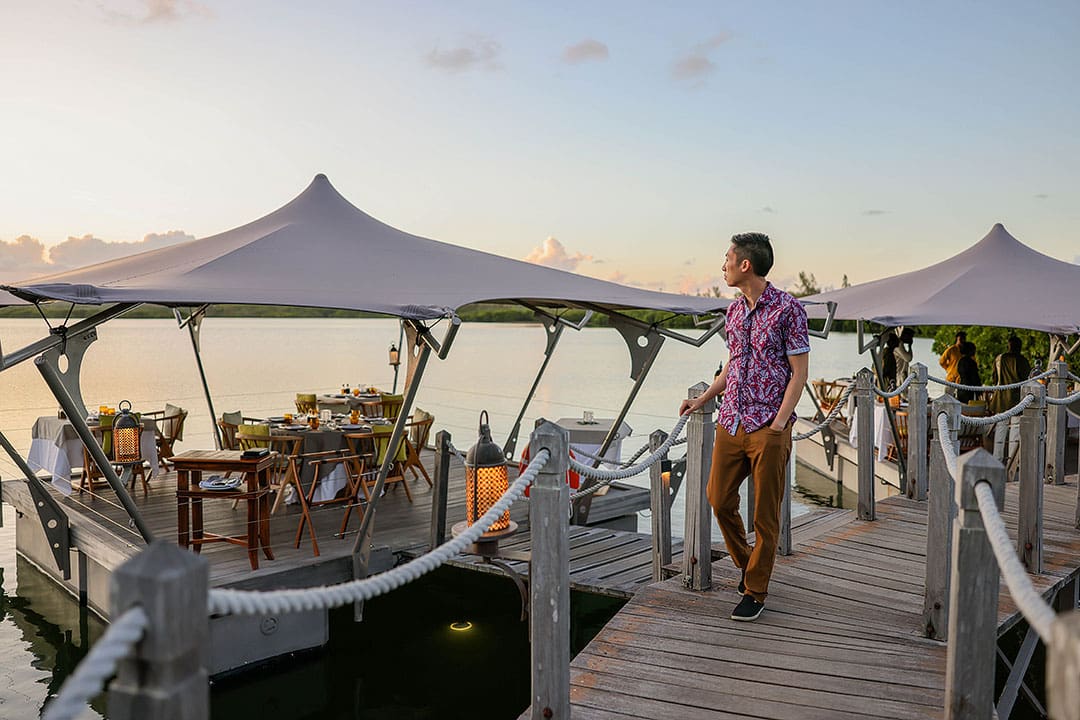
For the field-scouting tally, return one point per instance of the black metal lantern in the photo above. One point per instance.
(125, 431)
(395, 356)
(486, 478)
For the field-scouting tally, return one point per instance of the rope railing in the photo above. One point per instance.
(1037, 612)
(98, 666)
(947, 448)
(606, 477)
(1003, 415)
(252, 602)
(987, 388)
(1067, 400)
(896, 392)
(1074, 377)
(840, 402)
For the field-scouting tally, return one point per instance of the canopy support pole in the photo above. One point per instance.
(890, 413)
(644, 347)
(716, 326)
(77, 418)
(54, 521)
(55, 339)
(420, 350)
(554, 325)
(193, 323)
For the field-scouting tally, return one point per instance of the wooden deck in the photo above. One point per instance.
(99, 528)
(841, 636)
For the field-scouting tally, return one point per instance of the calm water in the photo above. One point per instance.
(257, 366)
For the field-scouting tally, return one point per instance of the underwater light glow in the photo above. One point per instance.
(461, 626)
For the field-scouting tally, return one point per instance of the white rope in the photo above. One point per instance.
(1003, 415)
(986, 388)
(606, 477)
(1074, 377)
(1038, 614)
(246, 602)
(894, 393)
(947, 447)
(1067, 400)
(98, 666)
(840, 402)
(590, 456)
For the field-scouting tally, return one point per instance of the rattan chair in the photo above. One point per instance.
(306, 404)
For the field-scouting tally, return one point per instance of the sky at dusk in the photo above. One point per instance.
(622, 140)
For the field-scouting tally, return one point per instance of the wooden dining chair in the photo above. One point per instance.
(286, 447)
(320, 463)
(417, 439)
(391, 405)
(229, 424)
(898, 447)
(168, 430)
(379, 437)
(828, 393)
(306, 404)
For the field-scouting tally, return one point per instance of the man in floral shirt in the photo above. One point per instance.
(761, 383)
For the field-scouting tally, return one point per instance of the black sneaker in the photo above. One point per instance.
(748, 609)
(742, 581)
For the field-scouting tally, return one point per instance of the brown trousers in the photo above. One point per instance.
(763, 455)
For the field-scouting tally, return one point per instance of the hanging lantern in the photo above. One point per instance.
(125, 432)
(485, 478)
(395, 356)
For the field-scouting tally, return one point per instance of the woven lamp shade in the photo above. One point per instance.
(125, 436)
(486, 478)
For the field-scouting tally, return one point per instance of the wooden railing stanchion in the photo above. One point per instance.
(973, 595)
(440, 486)
(549, 576)
(165, 676)
(660, 505)
(1057, 424)
(864, 417)
(918, 473)
(783, 543)
(1032, 473)
(940, 511)
(697, 539)
(1063, 668)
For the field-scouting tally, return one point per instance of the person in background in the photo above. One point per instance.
(904, 354)
(968, 370)
(889, 343)
(1009, 367)
(951, 357)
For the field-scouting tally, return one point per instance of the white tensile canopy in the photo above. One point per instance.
(321, 251)
(998, 281)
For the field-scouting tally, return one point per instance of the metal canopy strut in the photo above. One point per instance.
(554, 325)
(890, 412)
(54, 521)
(193, 323)
(421, 345)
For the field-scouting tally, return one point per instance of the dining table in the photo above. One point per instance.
(56, 448)
(333, 478)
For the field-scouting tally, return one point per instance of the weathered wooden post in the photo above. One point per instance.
(165, 676)
(864, 417)
(441, 483)
(660, 504)
(549, 586)
(697, 539)
(783, 543)
(1032, 473)
(973, 596)
(1063, 668)
(918, 474)
(940, 511)
(751, 502)
(1057, 424)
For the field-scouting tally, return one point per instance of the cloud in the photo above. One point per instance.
(1041, 196)
(154, 11)
(585, 51)
(767, 209)
(552, 253)
(22, 258)
(86, 250)
(701, 285)
(875, 212)
(696, 64)
(480, 52)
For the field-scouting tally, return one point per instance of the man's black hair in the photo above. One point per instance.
(967, 349)
(961, 335)
(1014, 344)
(756, 248)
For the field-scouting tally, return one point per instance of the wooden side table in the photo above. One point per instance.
(190, 466)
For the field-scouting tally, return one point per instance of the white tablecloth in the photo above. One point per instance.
(55, 448)
(883, 436)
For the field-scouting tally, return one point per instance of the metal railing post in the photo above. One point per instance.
(660, 504)
(864, 416)
(1032, 473)
(439, 491)
(918, 472)
(697, 539)
(1057, 424)
(165, 678)
(940, 512)
(549, 581)
(973, 596)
